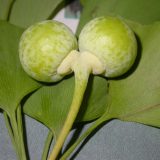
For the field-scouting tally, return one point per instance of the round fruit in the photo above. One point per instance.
(42, 48)
(112, 42)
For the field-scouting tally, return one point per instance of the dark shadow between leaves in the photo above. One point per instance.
(56, 10)
(10, 9)
(24, 123)
(62, 5)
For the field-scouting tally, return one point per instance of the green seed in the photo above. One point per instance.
(112, 41)
(42, 48)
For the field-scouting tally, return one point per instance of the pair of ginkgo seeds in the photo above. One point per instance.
(49, 50)
(105, 40)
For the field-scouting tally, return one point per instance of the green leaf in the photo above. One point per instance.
(14, 82)
(5, 6)
(26, 12)
(82, 2)
(136, 97)
(50, 104)
(141, 11)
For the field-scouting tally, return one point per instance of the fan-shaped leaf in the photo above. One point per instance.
(14, 82)
(141, 11)
(50, 105)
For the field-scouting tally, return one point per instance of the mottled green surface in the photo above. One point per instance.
(43, 46)
(112, 41)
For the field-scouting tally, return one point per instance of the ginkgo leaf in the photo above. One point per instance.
(50, 104)
(14, 82)
(5, 7)
(137, 96)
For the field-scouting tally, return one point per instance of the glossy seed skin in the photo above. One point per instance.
(112, 41)
(42, 48)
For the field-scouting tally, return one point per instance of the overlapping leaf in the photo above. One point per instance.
(141, 11)
(26, 12)
(50, 104)
(14, 82)
(5, 6)
(137, 97)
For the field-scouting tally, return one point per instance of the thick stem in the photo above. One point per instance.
(81, 80)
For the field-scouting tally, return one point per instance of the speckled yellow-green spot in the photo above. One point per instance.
(42, 48)
(112, 42)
